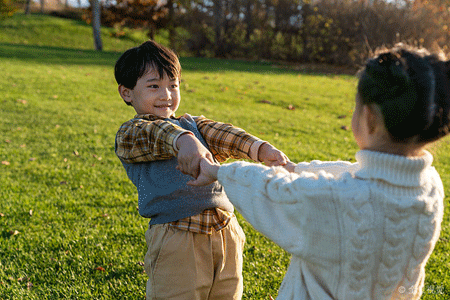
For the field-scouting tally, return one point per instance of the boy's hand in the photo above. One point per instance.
(190, 154)
(271, 156)
(208, 173)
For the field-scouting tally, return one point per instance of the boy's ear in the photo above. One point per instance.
(125, 93)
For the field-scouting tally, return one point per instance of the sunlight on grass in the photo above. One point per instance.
(69, 228)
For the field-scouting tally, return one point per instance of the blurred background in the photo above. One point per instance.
(334, 32)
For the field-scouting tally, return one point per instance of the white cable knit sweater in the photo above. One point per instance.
(360, 230)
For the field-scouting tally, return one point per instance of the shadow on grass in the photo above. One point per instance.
(55, 55)
(69, 56)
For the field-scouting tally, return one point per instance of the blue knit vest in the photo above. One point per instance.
(163, 193)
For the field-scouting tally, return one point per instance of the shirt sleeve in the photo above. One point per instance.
(141, 140)
(226, 141)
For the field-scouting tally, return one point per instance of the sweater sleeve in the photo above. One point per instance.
(296, 211)
(335, 168)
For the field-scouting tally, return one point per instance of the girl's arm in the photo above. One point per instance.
(296, 212)
(335, 168)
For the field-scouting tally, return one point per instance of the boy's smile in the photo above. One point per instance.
(153, 95)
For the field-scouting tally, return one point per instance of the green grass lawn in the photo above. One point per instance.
(69, 228)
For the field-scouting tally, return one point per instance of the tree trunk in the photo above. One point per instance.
(27, 7)
(248, 20)
(96, 24)
(218, 28)
(42, 6)
(171, 24)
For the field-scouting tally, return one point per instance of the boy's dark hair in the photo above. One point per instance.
(412, 89)
(137, 61)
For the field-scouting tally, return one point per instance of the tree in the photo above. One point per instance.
(27, 7)
(138, 13)
(96, 24)
(6, 9)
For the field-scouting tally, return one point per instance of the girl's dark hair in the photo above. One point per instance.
(412, 89)
(137, 61)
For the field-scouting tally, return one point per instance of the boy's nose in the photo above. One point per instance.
(165, 94)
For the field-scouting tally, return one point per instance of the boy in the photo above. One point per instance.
(194, 241)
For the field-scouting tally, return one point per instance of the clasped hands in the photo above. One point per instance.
(195, 160)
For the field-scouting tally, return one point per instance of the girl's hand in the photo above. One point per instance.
(208, 173)
(289, 166)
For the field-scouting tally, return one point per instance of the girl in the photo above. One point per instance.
(361, 230)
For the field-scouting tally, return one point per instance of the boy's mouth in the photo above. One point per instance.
(163, 106)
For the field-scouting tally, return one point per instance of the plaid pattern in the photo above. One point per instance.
(206, 222)
(224, 140)
(147, 138)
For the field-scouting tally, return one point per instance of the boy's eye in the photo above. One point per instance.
(153, 86)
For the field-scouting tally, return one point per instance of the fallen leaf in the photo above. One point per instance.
(140, 263)
(23, 146)
(22, 101)
(2, 215)
(30, 212)
(291, 107)
(7, 141)
(265, 101)
(344, 127)
(63, 182)
(75, 152)
(97, 157)
(13, 232)
(32, 158)
(6, 163)
(29, 285)
(55, 96)
(100, 269)
(342, 117)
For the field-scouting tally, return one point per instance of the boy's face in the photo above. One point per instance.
(153, 95)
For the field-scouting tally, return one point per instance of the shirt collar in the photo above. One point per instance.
(151, 117)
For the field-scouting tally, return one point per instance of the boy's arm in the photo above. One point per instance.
(226, 141)
(142, 140)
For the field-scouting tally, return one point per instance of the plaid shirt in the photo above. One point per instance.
(147, 138)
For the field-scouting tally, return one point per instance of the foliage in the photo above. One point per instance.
(147, 14)
(69, 228)
(6, 9)
(342, 32)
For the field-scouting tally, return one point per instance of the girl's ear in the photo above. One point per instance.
(374, 119)
(125, 93)
(370, 118)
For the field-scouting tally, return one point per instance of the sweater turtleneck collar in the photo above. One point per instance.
(395, 169)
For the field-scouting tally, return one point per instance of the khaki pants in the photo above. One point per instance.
(191, 266)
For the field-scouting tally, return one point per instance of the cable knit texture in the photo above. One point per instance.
(360, 230)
